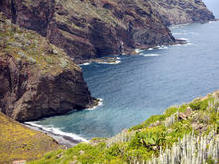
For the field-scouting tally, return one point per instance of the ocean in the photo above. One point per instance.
(139, 86)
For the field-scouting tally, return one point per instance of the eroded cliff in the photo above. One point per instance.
(90, 28)
(37, 78)
(93, 28)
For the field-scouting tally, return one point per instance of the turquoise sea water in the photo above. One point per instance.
(146, 84)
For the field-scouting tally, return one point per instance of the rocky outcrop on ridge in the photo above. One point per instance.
(37, 79)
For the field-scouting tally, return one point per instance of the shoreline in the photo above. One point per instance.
(69, 140)
(115, 59)
(65, 139)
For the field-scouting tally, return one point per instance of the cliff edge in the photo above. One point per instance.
(37, 79)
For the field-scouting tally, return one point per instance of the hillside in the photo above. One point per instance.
(88, 29)
(18, 142)
(183, 134)
(37, 78)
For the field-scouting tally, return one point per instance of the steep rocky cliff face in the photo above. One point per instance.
(181, 11)
(37, 79)
(91, 28)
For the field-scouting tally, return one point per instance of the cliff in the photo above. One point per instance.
(174, 12)
(88, 29)
(186, 133)
(37, 78)
(18, 142)
(91, 28)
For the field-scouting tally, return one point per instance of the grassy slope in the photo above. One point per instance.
(18, 142)
(145, 141)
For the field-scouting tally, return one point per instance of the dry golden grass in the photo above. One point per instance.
(18, 142)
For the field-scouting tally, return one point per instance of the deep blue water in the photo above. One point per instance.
(144, 85)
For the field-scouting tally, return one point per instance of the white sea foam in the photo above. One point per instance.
(149, 55)
(186, 39)
(162, 47)
(150, 49)
(138, 50)
(84, 64)
(56, 131)
(100, 103)
(114, 62)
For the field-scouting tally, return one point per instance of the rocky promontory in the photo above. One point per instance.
(37, 78)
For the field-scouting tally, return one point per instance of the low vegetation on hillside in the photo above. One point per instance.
(18, 142)
(183, 134)
(29, 47)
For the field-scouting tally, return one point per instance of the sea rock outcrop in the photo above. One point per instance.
(37, 78)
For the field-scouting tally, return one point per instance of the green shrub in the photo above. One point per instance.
(199, 105)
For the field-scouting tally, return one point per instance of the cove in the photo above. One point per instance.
(145, 84)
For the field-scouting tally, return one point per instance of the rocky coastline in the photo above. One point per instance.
(41, 43)
(89, 29)
(108, 30)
